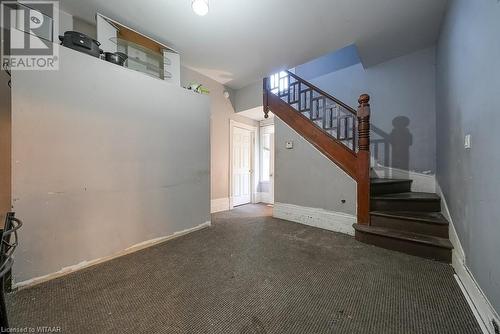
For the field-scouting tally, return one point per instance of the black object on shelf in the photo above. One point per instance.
(117, 58)
(9, 242)
(80, 42)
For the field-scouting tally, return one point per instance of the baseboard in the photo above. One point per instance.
(421, 182)
(265, 198)
(86, 264)
(478, 302)
(328, 220)
(219, 204)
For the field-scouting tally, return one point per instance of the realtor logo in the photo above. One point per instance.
(28, 30)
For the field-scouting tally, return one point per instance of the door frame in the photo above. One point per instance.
(254, 159)
(268, 197)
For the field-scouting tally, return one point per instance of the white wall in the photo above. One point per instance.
(103, 158)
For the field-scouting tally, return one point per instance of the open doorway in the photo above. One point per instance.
(266, 183)
(263, 162)
(243, 174)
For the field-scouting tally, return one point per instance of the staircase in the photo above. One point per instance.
(389, 214)
(406, 221)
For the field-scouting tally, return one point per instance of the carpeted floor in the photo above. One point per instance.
(250, 273)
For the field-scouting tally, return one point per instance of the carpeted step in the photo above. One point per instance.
(428, 223)
(416, 244)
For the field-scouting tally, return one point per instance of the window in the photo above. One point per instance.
(279, 82)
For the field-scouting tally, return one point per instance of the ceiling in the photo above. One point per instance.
(241, 41)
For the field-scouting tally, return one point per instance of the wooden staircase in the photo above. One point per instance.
(389, 214)
(406, 221)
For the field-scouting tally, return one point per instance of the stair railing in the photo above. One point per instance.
(337, 130)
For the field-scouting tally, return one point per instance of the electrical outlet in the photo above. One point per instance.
(467, 143)
(495, 327)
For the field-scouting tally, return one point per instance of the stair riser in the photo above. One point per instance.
(404, 246)
(391, 188)
(405, 205)
(410, 226)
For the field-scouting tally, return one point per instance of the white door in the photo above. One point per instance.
(242, 166)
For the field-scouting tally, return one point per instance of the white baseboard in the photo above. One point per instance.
(219, 204)
(478, 302)
(86, 264)
(328, 220)
(421, 182)
(265, 198)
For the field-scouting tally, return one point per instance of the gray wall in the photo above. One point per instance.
(403, 107)
(85, 27)
(103, 158)
(331, 62)
(248, 97)
(5, 142)
(221, 111)
(468, 84)
(305, 177)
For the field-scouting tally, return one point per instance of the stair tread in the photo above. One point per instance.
(408, 236)
(416, 196)
(427, 217)
(388, 181)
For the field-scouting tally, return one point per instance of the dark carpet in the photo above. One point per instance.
(250, 273)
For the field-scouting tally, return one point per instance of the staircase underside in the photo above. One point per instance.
(406, 221)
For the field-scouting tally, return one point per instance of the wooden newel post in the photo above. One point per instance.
(363, 167)
(265, 92)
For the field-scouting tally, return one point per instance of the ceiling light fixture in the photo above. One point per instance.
(200, 7)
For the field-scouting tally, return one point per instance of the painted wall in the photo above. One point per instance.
(221, 111)
(248, 97)
(90, 29)
(305, 177)
(65, 23)
(103, 158)
(331, 62)
(468, 82)
(5, 142)
(403, 107)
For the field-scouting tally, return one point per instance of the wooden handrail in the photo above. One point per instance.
(354, 161)
(296, 77)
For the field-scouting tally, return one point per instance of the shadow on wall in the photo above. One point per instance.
(393, 150)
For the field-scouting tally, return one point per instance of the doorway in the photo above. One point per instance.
(267, 164)
(242, 160)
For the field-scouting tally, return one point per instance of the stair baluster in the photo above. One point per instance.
(325, 122)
